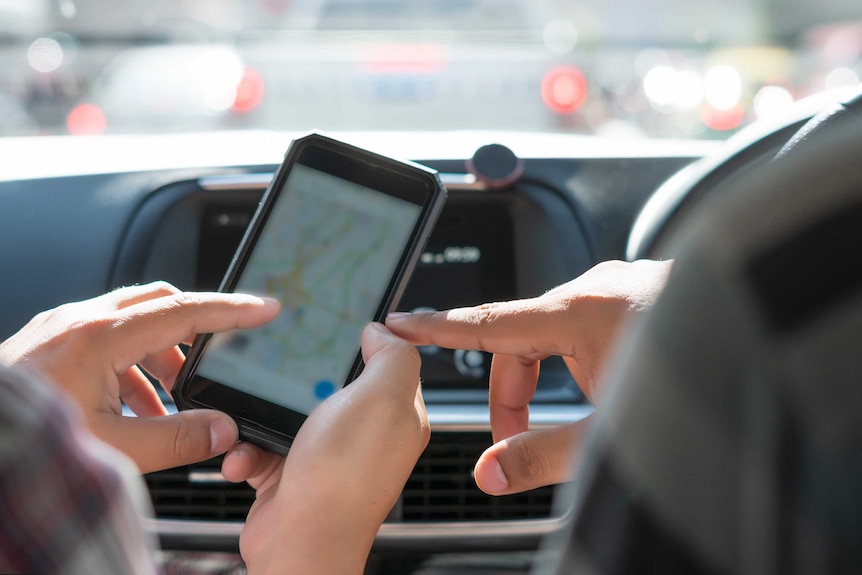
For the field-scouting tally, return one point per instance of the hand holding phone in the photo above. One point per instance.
(334, 239)
(338, 441)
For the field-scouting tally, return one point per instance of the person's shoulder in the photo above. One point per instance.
(30, 402)
(69, 500)
(37, 420)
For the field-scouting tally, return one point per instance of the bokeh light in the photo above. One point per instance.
(722, 87)
(841, 78)
(560, 36)
(86, 120)
(772, 101)
(45, 55)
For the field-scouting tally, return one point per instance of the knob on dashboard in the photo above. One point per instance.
(496, 166)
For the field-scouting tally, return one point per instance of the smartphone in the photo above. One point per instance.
(334, 239)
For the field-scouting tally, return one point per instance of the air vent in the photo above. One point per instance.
(440, 489)
(198, 492)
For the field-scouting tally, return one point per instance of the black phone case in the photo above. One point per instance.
(255, 431)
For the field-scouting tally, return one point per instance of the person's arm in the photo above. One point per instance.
(319, 509)
(97, 351)
(578, 321)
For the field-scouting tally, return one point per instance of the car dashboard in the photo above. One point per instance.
(81, 216)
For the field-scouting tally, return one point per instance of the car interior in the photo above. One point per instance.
(527, 210)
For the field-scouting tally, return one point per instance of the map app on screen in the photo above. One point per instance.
(327, 253)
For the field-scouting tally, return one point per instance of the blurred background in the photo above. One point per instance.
(624, 68)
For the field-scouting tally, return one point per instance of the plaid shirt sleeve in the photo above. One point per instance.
(69, 503)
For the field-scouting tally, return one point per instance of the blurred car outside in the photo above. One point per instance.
(347, 65)
(163, 88)
(587, 67)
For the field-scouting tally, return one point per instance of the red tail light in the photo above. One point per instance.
(722, 120)
(564, 89)
(86, 120)
(249, 92)
(404, 59)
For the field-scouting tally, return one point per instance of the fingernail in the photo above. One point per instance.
(379, 327)
(492, 479)
(270, 301)
(222, 435)
(397, 315)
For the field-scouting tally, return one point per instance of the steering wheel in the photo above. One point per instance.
(753, 147)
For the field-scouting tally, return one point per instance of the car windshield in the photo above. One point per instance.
(620, 68)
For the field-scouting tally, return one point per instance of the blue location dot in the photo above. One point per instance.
(324, 389)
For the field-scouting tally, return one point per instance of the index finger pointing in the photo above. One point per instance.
(528, 327)
(158, 324)
(131, 295)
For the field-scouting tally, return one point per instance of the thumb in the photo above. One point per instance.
(529, 460)
(163, 442)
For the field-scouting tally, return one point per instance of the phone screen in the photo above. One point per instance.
(328, 252)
